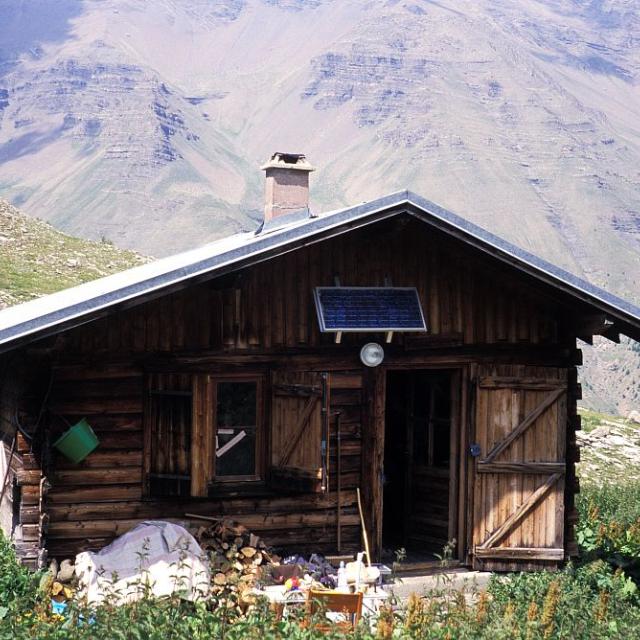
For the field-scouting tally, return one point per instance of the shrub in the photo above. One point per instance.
(609, 525)
(18, 585)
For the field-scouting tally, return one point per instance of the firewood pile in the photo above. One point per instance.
(239, 558)
(59, 581)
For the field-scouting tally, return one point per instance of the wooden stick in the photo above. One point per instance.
(364, 528)
(207, 518)
(325, 431)
(339, 483)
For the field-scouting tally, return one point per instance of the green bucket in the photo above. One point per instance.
(77, 442)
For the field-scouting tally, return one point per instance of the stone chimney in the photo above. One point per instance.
(287, 185)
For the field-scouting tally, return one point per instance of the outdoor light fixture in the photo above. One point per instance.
(372, 354)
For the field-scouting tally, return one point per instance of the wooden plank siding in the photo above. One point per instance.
(103, 496)
(269, 306)
(262, 319)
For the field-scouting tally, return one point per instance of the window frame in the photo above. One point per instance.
(260, 445)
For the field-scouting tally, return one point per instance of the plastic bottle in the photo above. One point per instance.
(342, 577)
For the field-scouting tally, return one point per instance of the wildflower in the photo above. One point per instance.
(509, 616)
(532, 615)
(602, 606)
(550, 607)
(481, 608)
(415, 610)
(384, 627)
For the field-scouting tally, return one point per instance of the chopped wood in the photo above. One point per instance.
(237, 555)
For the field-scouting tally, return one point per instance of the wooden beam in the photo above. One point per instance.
(373, 454)
(515, 382)
(524, 425)
(302, 390)
(521, 467)
(202, 437)
(612, 333)
(520, 513)
(592, 325)
(520, 553)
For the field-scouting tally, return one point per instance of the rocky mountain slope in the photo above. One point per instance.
(610, 376)
(35, 259)
(145, 122)
(610, 448)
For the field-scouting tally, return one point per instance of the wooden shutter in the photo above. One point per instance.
(167, 435)
(298, 439)
(519, 484)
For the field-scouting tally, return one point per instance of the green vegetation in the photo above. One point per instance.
(595, 599)
(35, 259)
(593, 419)
(609, 525)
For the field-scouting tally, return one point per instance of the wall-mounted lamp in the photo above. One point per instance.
(372, 354)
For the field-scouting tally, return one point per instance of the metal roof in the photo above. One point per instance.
(56, 312)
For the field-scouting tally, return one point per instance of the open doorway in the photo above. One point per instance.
(417, 462)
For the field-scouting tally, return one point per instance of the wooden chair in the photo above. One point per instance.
(349, 604)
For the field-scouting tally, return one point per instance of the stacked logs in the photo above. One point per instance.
(59, 582)
(238, 557)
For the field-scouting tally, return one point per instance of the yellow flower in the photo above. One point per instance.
(602, 606)
(549, 607)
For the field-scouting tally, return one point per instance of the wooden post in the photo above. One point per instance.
(373, 454)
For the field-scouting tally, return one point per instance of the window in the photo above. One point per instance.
(237, 433)
(200, 430)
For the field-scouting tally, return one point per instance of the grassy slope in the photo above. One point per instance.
(35, 259)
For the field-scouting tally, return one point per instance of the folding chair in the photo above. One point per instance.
(348, 604)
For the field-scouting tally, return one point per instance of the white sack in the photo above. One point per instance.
(157, 557)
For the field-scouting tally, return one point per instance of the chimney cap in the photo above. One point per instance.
(281, 160)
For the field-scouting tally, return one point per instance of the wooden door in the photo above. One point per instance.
(520, 434)
(299, 405)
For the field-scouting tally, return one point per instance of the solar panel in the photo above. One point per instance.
(369, 309)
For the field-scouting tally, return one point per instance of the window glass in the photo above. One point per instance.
(236, 423)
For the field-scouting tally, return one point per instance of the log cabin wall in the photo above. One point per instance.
(260, 319)
(24, 389)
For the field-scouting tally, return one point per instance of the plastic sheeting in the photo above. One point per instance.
(155, 558)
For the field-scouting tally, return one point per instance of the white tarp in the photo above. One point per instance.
(156, 557)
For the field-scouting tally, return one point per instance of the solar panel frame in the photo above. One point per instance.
(421, 326)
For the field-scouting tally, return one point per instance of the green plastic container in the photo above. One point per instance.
(77, 442)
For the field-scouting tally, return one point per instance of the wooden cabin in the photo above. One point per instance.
(217, 385)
